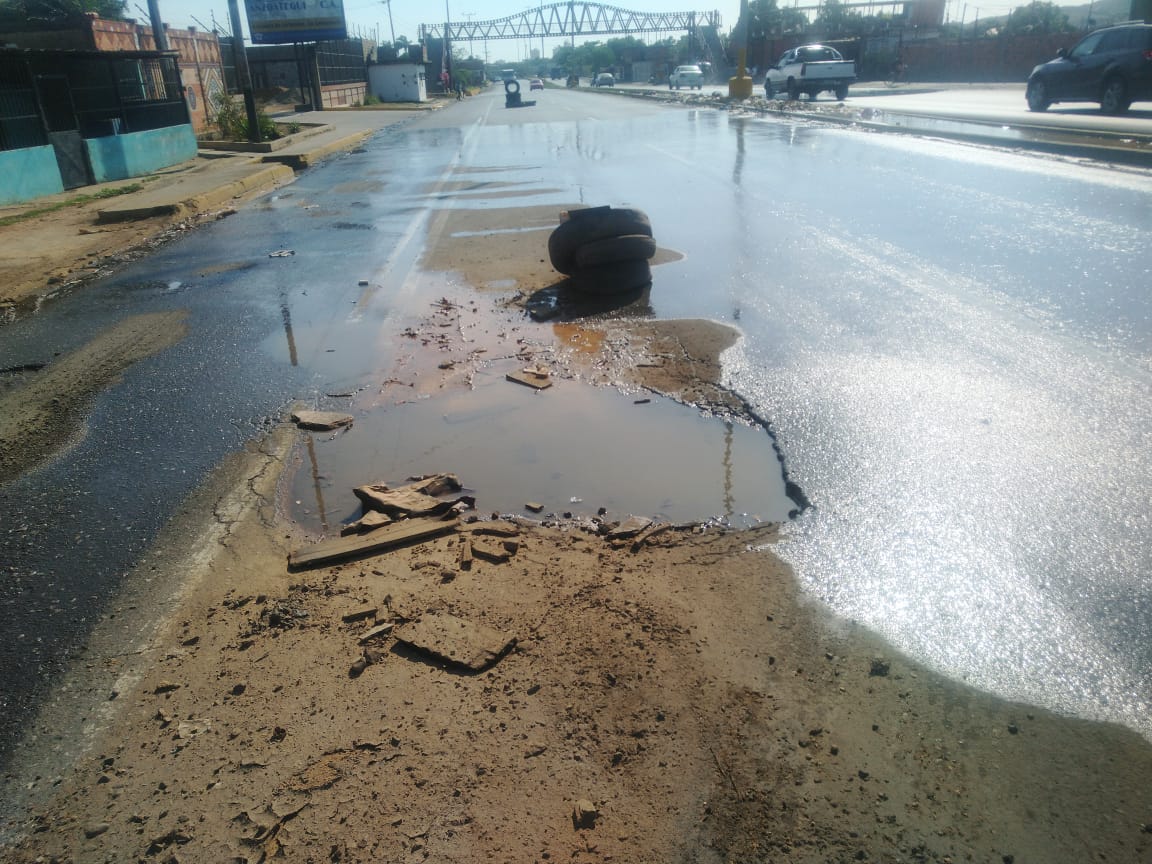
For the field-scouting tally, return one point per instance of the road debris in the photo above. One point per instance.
(456, 641)
(396, 534)
(585, 814)
(536, 377)
(370, 521)
(321, 421)
(414, 499)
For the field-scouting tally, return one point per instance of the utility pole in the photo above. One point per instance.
(243, 76)
(388, 3)
(159, 36)
(447, 46)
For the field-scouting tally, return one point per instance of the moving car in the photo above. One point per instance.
(605, 79)
(1112, 66)
(686, 76)
(810, 69)
(535, 84)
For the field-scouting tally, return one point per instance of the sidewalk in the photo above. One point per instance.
(217, 177)
(59, 241)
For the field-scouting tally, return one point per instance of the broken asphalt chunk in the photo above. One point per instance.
(414, 499)
(630, 527)
(321, 421)
(536, 377)
(456, 641)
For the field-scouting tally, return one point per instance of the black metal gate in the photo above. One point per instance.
(64, 130)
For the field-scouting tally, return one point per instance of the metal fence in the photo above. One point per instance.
(93, 92)
(20, 121)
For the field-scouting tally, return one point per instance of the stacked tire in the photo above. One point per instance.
(512, 98)
(604, 250)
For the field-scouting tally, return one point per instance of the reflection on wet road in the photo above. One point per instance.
(951, 344)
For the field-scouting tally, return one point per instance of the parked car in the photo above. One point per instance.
(535, 84)
(605, 79)
(686, 76)
(810, 69)
(1112, 66)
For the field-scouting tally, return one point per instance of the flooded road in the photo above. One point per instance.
(952, 346)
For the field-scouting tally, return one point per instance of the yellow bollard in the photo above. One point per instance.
(740, 86)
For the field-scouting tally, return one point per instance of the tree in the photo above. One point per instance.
(835, 18)
(32, 14)
(766, 19)
(1037, 17)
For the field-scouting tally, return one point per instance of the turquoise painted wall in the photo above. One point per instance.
(28, 173)
(134, 154)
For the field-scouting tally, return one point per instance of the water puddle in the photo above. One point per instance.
(572, 448)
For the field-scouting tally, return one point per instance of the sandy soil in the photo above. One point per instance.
(62, 251)
(669, 697)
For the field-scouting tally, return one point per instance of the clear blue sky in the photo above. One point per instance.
(369, 17)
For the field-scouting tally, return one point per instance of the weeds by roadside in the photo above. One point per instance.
(77, 201)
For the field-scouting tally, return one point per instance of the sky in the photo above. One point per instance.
(369, 18)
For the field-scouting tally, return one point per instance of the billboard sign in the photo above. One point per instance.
(276, 21)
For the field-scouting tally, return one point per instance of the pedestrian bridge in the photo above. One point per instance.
(571, 19)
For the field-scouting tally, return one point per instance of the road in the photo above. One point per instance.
(951, 344)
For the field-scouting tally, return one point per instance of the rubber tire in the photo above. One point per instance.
(617, 278)
(769, 90)
(612, 250)
(842, 92)
(588, 226)
(511, 86)
(1114, 97)
(793, 91)
(1037, 96)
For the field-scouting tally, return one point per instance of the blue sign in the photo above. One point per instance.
(276, 21)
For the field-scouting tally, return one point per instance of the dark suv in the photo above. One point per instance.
(1112, 66)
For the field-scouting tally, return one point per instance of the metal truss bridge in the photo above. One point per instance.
(571, 19)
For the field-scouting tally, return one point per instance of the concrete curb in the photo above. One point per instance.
(310, 157)
(266, 178)
(166, 202)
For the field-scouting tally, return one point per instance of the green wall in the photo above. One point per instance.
(134, 154)
(28, 173)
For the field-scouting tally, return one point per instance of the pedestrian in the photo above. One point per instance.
(459, 90)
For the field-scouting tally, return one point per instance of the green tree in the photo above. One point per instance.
(835, 19)
(1037, 17)
(766, 19)
(30, 14)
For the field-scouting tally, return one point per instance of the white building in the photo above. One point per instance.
(397, 82)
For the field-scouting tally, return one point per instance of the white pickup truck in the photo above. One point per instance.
(686, 76)
(810, 69)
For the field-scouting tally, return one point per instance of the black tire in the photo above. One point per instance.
(769, 90)
(1114, 97)
(1037, 96)
(842, 92)
(588, 226)
(617, 278)
(793, 91)
(511, 87)
(611, 250)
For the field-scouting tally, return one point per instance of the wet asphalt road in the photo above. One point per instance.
(952, 345)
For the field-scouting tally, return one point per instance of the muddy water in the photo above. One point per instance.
(571, 448)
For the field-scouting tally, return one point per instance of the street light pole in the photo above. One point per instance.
(447, 44)
(243, 76)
